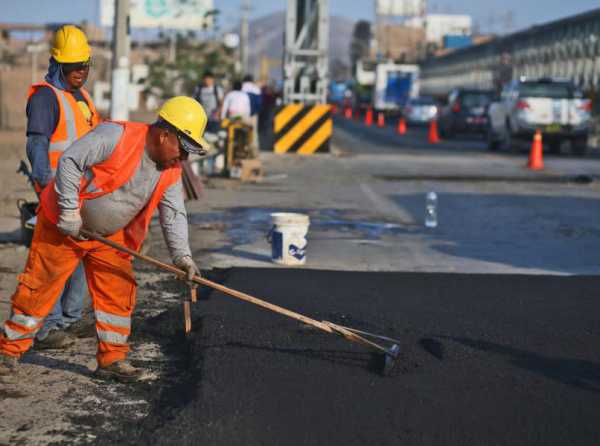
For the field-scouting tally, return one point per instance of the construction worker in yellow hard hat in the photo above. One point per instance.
(109, 183)
(190, 119)
(59, 111)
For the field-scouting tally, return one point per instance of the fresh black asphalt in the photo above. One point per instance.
(485, 360)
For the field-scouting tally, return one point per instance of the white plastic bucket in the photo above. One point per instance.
(288, 238)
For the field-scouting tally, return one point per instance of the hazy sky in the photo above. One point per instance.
(524, 12)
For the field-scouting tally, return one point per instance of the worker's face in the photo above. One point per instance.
(209, 81)
(168, 153)
(76, 75)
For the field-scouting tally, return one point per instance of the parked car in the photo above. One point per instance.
(420, 110)
(553, 106)
(466, 112)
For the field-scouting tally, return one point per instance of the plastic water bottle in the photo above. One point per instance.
(431, 200)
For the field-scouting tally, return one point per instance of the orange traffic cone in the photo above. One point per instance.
(434, 138)
(369, 117)
(380, 120)
(536, 157)
(348, 113)
(402, 126)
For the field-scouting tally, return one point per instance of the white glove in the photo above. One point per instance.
(187, 264)
(69, 222)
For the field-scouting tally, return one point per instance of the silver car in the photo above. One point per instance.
(420, 110)
(553, 106)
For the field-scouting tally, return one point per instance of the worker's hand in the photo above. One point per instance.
(69, 222)
(187, 264)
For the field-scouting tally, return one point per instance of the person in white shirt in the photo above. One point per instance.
(250, 87)
(236, 104)
(255, 95)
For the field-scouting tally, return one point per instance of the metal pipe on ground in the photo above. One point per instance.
(390, 354)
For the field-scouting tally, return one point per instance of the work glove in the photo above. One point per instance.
(187, 264)
(69, 222)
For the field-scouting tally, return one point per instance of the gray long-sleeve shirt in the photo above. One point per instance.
(109, 213)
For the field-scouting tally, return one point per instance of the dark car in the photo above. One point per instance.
(466, 112)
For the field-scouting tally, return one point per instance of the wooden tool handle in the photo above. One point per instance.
(187, 317)
(202, 281)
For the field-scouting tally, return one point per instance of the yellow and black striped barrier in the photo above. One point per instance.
(303, 129)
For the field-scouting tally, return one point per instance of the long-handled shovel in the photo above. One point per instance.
(351, 334)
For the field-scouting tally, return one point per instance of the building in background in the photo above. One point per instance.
(403, 31)
(439, 25)
(397, 42)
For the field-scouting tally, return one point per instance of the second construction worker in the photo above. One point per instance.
(59, 111)
(109, 182)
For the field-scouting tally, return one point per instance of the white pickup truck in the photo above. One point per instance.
(553, 106)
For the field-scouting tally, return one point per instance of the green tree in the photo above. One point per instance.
(193, 58)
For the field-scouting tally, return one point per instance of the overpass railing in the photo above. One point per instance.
(568, 48)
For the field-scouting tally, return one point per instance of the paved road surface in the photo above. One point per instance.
(367, 209)
(486, 360)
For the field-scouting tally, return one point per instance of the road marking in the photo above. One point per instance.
(387, 207)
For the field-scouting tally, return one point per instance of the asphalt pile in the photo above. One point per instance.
(485, 359)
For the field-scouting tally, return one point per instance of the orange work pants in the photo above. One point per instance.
(52, 259)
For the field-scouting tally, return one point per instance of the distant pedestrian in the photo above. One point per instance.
(266, 114)
(210, 96)
(236, 104)
(254, 93)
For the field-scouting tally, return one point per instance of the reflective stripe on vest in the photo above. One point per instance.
(56, 149)
(111, 337)
(113, 319)
(71, 124)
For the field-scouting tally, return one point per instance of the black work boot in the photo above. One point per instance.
(56, 340)
(83, 328)
(8, 364)
(121, 371)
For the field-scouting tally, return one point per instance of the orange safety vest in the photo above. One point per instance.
(71, 125)
(109, 175)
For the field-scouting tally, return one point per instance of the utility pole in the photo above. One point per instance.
(34, 66)
(119, 107)
(375, 30)
(172, 46)
(35, 49)
(244, 36)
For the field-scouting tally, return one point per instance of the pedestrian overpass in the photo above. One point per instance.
(568, 48)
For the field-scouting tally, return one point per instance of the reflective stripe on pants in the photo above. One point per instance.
(21, 326)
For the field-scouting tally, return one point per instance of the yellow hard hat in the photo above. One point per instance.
(70, 45)
(187, 116)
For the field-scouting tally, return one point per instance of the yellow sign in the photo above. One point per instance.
(303, 129)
